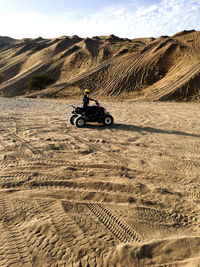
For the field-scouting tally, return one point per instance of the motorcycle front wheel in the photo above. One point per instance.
(72, 119)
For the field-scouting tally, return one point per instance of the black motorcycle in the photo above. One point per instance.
(91, 114)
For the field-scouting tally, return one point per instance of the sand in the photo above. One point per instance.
(163, 68)
(127, 195)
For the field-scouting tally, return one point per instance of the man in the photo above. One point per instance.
(87, 99)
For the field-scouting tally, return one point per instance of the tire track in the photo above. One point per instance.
(97, 148)
(72, 171)
(17, 249)
(116, 225)
(64, 225)
(167, 90)
(51, 244)
(121, 73)
(193, 190)
(18, 125)
(36, 180)
(97, 234)
(34, 150)
(74, 230)
(161, 216)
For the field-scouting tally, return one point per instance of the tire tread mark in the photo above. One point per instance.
(161, 216)
(18, 247)
(95, 147)
(193, 191)
(34, 150)
(118, 227)
(65, 226)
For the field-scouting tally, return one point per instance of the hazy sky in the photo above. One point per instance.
(87, 18)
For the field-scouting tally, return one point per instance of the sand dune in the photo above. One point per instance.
(121, 196)
(166, 68)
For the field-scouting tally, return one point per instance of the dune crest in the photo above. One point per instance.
(166, 68)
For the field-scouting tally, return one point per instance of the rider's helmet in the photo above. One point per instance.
(87, 91)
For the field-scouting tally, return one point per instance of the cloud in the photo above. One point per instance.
(166, 17)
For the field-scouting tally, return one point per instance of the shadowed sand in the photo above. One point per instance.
(127, 195)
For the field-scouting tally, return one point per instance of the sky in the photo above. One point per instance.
(87, 18)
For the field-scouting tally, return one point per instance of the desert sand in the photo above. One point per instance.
(126, 195)
(163, 68)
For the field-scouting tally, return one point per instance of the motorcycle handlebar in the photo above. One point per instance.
(96, 102)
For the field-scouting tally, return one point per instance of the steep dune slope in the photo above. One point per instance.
(166, 68)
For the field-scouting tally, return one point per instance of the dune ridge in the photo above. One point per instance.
(166, 68)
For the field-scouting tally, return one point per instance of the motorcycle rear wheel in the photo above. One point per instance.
(108, 120)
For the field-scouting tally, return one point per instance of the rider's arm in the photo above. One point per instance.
(92, 99)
